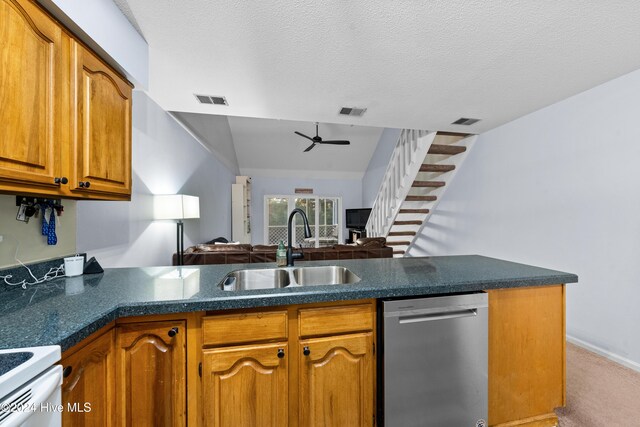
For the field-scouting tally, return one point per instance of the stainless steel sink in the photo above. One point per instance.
(329, 275)
(274, 278)
(267, 278)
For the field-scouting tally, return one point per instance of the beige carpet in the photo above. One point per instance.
(599, 392)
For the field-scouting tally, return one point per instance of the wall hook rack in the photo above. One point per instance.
(32, 201)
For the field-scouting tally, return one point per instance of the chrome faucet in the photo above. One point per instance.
(307, 233)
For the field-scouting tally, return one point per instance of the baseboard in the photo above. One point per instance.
(604, 353)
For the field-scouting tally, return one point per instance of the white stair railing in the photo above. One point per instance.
(406, 159)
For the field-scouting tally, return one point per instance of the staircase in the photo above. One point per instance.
(421, 166)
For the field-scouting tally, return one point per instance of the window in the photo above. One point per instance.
(323, 214)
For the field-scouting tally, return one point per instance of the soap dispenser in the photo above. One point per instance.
(281, 255)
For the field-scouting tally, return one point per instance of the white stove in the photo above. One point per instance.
(30, 394)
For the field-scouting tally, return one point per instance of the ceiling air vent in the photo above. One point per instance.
(352, 111)
(465, 121)
(211, 100)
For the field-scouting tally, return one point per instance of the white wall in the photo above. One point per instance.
(378, 165)
(166, 160)
(214, 132)
(101, 25)
(559, 188)
(27, 238)
(349, 189)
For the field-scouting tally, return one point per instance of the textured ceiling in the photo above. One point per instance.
(413, 64)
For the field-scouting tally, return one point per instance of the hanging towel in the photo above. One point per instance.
(45, 226)
(52, 239)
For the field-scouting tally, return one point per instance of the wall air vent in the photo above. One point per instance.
(211, 100)
(465, 121)
(352, 111)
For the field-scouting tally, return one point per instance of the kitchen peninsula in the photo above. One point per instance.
(183, 314)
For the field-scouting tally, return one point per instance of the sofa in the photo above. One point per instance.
(368, 247)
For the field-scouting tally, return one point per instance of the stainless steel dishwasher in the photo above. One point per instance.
(434, 361)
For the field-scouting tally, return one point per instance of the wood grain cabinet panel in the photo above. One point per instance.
(526, 355)
(65, 114)
(90, 380)
(336, 381)
(32, 74)
(246, 386)
(151, 374)
(101, 127)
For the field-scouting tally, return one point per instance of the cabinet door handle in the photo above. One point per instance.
(67, 371)
(280, 353)
(84, 184)
(172, 332)
(306, 351)
(62, 180)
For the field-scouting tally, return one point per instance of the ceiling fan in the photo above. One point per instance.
(317, 140)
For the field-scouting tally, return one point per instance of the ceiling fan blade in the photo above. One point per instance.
(303, 135)
(309, 147)
(337, 142)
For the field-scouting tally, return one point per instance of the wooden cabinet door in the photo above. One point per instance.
(101, 149)
(336, 381)
(31, 96)
(88, 389)
(246, 386)
(526, 355)
(151, 374)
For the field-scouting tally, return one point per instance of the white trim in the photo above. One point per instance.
(607, 354)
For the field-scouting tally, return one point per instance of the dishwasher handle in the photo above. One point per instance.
(443, 315)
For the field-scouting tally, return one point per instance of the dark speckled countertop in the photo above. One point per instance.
(67, 310)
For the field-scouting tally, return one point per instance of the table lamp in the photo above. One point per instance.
(177, 206)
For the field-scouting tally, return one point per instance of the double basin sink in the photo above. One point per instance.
(274, 278)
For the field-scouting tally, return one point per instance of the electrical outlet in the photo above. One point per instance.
(1, 238)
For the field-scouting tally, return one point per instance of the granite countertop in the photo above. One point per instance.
(66, 310)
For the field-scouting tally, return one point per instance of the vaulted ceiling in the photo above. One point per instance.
(413, 64)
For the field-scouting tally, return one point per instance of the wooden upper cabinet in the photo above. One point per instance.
(151, 374)
(101, 148)
(89, 380)
(246, 386)
(32, 74)
(336, 381)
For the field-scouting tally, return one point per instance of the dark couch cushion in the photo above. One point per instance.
(374, 242)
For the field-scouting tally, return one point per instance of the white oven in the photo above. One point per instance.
(30, 387)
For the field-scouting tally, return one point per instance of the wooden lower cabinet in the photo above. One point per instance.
(526, 355)
(88, 388)
(304, 366)
(246, 386)
(296, 366)
(151, 374)
(336, 381)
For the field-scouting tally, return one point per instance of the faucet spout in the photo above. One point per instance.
(307, 233)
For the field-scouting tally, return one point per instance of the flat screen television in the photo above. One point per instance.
(356, 219)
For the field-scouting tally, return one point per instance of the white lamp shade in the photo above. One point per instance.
(176, 206)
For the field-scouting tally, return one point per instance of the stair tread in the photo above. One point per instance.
(428, 184)
(436, 168)
(446, 149)
(401, 233)
(413, 211)
(420, 198)
(398, 243)
(414, 222)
